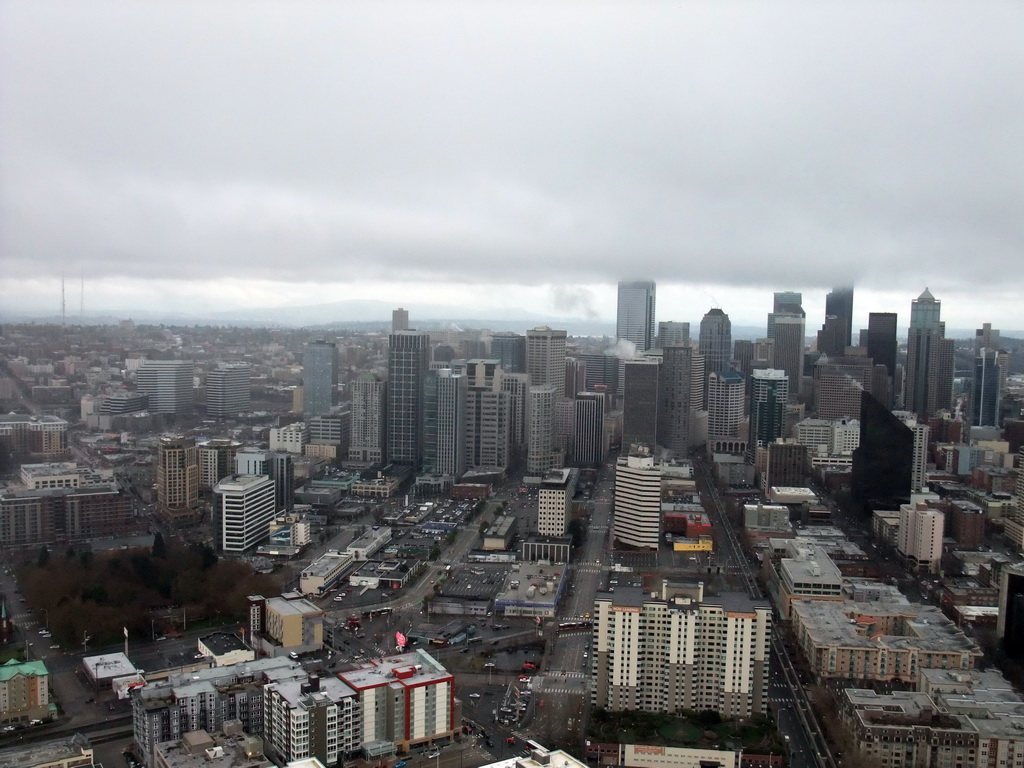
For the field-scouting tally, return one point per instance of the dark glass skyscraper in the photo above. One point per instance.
(929, 359)
(883, 463)
(882, 340)
(839, 304)
(408, 358)
(319, 376)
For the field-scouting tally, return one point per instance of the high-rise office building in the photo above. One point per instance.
(986, 337)
(517, 385)
(830, 337)
(399, 320)
(540, 414)
(545, 357)
(743, 356)
(883, 461)
(588, 436)
(784, 303)
(575, 376)
(228, 390)
(985, 389)
(726, 395)
(672, 332)
(929, 387)
(920, 537)
(839, 304)
(882, 344)
(368, 434)
(488, 416)
(635, 317)
(245, 506)
(444, 423)
(177, 473)
(602, 372)
(637, 504)
(408, 361)
(510, 349)
(768, 399)
(838, 382)
(554, 501)
(680, 650)
(640, 402)
(1010, 621)
(319, 376)
(277, 465)
(167, 384)
(919, 458)
(681, 395)
(788, 349)
(715, 341)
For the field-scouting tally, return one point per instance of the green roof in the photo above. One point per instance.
(13, 668)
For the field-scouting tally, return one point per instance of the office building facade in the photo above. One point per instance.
(635, 316)
(177, 473)
(681, 395)
(369, 408)
(228, 390)
(769, 396)
(545, 357)
(245, 506)
(929, 378)
(839, 304)
(637, 504)
(640, 402)
(726, 433)
(408, 362)
(167, 385)
(319, 376)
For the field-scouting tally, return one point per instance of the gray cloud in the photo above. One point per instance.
(756, 144)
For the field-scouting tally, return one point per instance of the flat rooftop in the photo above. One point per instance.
(406, 669)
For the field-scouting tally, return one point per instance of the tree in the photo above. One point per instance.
(44, 557)
(159, 547)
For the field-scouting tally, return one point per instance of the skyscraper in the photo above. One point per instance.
(784, 303)
(244, 506)
(319, 376)
(681, 394)
(635, 317)
(788, 349)
(637, 504)
(488, 416)
(399, 320)
(588, 430)
(882, 340)
(510, 349)
(167, 384)
(228, 390)
(640, 402)
(369, 398)
(768, 399)
(929, 359)
(726, 391)
(839, 304)
(540, 449)
(883, 461)
(715, 344)
(545, 357)
(985, 389)
(444, 423)
(177, 473)
(408, 360)
(671, 332)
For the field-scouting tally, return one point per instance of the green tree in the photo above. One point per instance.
(159, 547)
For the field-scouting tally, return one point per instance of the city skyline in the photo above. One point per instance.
(507, 158)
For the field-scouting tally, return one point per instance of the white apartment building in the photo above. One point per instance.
(920, 536)
(554, 501)
(246, 506)
(290, 439)
(637, 509)
(540, 451)
(369, 394)
(678, 650)
(920, 466)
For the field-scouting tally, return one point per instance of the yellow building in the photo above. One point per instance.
(24, 691)
(294, 622)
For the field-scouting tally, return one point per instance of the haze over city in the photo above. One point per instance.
(512, 158)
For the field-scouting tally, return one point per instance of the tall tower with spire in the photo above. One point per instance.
(929, 386)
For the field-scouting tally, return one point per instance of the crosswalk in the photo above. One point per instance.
(565, 691)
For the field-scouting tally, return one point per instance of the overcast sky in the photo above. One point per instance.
(514, 155)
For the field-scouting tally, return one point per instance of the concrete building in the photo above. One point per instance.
(216, 459)
(588, 441)
(637, 504)
(177, 473)
(545, 357)
(224, 649)
(293, 622)
(167, 384)
(311, 718)
(228, 390)
(680, 650)
(205, 699)
(399, 320)
(715, 342)
(369, 398)
(24, 692)
(319, 376)
(244, 509)
(291, 438)
(681, 395)
(403, 700)
(839, 304)
(635, 316)
(488, 427)
(671, 333)
(444, 423)
(804, 572)
(232, 748)
(881, 641)
(727, 432)
(554, 501)
(510, 349)
(920, 537)
(788, 347)
(42, 438)
(838, 383)
(541, 455)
